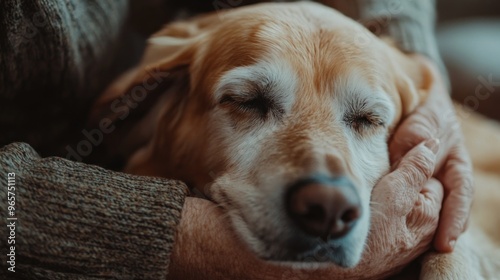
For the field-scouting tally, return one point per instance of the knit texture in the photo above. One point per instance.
(78, 221)
(410, 23)
(55, 57)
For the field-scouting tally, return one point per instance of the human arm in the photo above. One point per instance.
(89, 222)
(411, 25)
(78, 221)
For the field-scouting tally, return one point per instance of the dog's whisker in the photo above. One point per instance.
(375, 203)
(378, 212)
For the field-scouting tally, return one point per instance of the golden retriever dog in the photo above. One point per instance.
(278, 114)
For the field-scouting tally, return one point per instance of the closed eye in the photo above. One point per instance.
(360, 121)
(367, 113)
(258, 104)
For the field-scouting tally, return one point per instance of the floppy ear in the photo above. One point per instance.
(170, 49)
(414, 79)
(163, 56)
(130, 99)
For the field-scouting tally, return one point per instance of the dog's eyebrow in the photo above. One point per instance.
(263, 88)
(246, 89)
(272, 81)
(371, 104)
(361, 102)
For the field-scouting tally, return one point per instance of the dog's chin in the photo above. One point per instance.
(331, 254)
(339, 252)
(294, 248)
(306, 252)
(302, 250)
(310, 262)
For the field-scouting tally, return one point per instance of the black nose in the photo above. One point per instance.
(324, 207)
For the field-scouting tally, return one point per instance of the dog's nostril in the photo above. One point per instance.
(343, 225)
(323, 208)
(350, 215)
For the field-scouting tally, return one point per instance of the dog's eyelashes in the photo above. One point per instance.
(227, 99)
(360, 121)
(257, 104)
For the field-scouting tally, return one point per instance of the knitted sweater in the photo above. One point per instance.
(78, 221)
(55, 56)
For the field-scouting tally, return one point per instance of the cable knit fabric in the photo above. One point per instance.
(55, 57)
(410, 23)
(78, 221)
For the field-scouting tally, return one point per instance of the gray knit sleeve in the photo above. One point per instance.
(55, 57)
(410, 23)
(77, 221)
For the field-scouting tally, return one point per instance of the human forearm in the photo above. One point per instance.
(77, 220)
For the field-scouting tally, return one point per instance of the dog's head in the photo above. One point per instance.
(283, 119)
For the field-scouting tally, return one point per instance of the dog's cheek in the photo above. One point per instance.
(374, 160)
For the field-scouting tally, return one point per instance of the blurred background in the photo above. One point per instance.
(468, 34)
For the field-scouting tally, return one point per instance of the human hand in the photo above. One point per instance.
(405, 213)
(436, 118)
